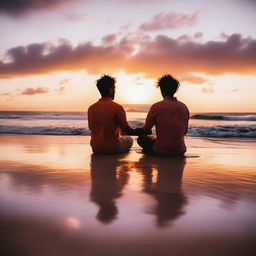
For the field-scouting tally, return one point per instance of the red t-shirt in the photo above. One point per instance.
(105, 118)
(170, 117)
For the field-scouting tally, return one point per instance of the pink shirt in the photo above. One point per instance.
(105, 119)
(170, 117)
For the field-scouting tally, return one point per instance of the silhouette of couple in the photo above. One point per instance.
(107, 121)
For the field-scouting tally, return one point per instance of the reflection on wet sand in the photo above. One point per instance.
(37, 179)
(57, 201)
(108, 178)
(167, 187)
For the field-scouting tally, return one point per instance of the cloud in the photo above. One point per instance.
(61, 89)
(208, 90)
(224, 36)
(21, 7)
(171, 20)
(45, 58)
(193, 79)
(196, 36)
(232, 91)
(71, 16)
(5, 94)
(153, 57)
(109, 39)
(64, 81)
(236, 55)
(184, 38)
(32, 91)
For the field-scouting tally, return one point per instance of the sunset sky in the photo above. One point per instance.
(51, 52)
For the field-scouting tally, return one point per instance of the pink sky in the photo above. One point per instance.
(55, 51)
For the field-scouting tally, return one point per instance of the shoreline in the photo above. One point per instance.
(238, 139)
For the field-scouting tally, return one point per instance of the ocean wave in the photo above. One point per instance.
(136, 110)
(43, 130)
(10, 117)
(41, 117)
(136, 124)
(241, 117)
(196, 131)
(223, 131)
(52, 130)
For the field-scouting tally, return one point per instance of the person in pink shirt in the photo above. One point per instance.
(170, 117)
(106, 120)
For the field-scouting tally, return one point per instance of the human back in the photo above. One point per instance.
(170, 117)
(171, 122)
(106, 118)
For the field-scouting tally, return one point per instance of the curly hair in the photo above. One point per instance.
(104, 84)
(168, 85)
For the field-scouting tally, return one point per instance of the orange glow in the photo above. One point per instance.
(135, 89)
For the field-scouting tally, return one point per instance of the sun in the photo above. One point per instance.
(137, 94)
(135, 89)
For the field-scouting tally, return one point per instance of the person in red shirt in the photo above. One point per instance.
(170, 117)
(106, 118)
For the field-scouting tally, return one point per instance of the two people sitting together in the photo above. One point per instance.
(107, 121)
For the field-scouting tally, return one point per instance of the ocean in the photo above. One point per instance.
(211, 125)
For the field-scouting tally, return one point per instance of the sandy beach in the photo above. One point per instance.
(58, 199)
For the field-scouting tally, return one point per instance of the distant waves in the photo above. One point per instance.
(224, 131)
(225, 117)
(209, 125)
(43, 130)
(201, 131)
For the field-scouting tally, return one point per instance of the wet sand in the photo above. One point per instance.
(56, 198)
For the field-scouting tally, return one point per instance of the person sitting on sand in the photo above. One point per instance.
(170, 118)
(106, 118)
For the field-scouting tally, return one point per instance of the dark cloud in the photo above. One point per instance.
(152, 57)
(196, 36)
(20, 7)
(109, 39)
(33, 91)
(184, 38)
(33, 59)
(235, 55)
(169, 20)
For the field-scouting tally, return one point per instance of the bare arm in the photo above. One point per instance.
(150, 121)
(122, 122)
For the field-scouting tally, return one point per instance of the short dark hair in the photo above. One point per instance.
(104, 84)
(168, 85)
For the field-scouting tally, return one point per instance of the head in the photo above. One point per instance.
(168, 85)
(106, 86)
